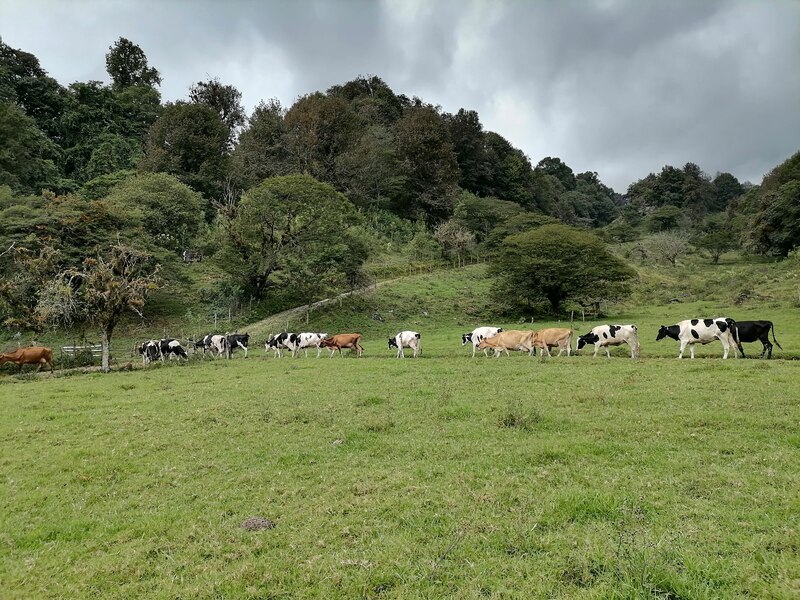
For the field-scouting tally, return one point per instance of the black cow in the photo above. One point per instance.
(756, 331)
(171, 347)
(234, 341)
(150, 351)
(280, 342)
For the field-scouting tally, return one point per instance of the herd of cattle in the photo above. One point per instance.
(688, 333)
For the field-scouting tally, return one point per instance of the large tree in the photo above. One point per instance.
(557, 263)
(225, 99)
(261, 151)
(26, 154)
(189, 141)
(291, 231)
(126, 63)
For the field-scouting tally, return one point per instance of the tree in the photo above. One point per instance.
(290, 231)
(26, 155)
(521, 223)
(261, 151)
(370, 173)
(469, 144)
(126, 63)
(556, 167)
(557, 263)
(716, 243)
(455, 239)
(664, 218)
(226, 100)
(481, 215)
(191, 142)
(171, 212)
(773, 226)
(24, 279)
(668, 246)
(726, 188)
(429, 165)
(101, 290)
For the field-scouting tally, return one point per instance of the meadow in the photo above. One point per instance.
(438, 477)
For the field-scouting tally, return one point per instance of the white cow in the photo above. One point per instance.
(604, 336)
(304, 341)
(476, 336)
(406, 339)
(218, 344)
(702, 331)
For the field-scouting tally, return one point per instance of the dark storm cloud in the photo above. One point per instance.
(620, 87)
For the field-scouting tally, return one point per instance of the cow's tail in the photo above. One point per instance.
(772, 327)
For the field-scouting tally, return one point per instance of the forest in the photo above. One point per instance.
(102, 184)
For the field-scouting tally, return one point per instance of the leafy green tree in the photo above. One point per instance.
(189, 141)
(100, 186)
(556, 167)
(557, 263)
(716, 243)
(171, 212)
(664, 218)
(371, 99)
(288, 231)
(226, 100)
(512, 178)
(127, 65)
(26, 154)
(456, 240)
(481, 215)
(370, 174)
(26, 273)
(668, 246)
(469, 144)
(726, 188)
(429, 164)
(262, 148)
(521, 223)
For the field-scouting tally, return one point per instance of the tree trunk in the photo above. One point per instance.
(106, 343)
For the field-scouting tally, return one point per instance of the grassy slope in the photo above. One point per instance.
(440, 477)
(443, 476)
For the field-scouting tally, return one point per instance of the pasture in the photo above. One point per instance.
(442, 476)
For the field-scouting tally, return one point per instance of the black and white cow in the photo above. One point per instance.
(406, 339)
(476, 336)
(278, 343)
(150, 351)
(702, 331)
(169, 347)
(756, 331)
(604, 336)
(234, 341)
(305, 340)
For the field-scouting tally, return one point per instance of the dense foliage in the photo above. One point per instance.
(355, 171)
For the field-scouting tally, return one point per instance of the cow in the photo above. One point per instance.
(33, 355)
(234, 341)
(204, 343)
(278, 343)
(150, 351)
(604, 336)
(341, 341)
(216, 345)
(305, 340)
(552, 337)
(510, 340)
(406, 339)
(476, 336)
(752, 331)
(170, 347)
(701, 331)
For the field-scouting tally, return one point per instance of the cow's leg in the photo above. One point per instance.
(596, 350)
(608, 354)
(767, 349)
(359, 349)
(245, 349)
(683, 347)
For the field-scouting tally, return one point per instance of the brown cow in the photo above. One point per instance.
(555, 336)
(29, 356)
(343, 340)
(511, 340)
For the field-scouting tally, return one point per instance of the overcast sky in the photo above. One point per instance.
(621, 87)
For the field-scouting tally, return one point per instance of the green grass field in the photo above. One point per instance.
(440, 477)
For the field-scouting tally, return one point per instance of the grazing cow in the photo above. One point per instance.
(752, 331)
(476, 336)
(552, 337)
(510, 340)
(701, 331)
(604, 336)
(204, 343)
(169, 347)
(234, 341)
(278, 343)
(150, 351)
(305, 340)
(33, 355)
(341, 341)
(406, 339)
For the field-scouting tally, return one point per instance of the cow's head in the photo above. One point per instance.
(500, 330)
(326, 343)
(392, 343)
(466, 338)
(588, 338)
(663, 332)
(483, 344)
